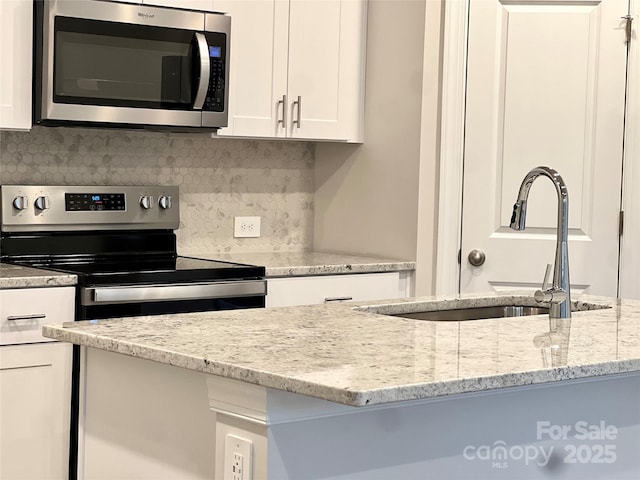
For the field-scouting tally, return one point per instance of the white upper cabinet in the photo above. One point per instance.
(297, 68)
(16, 25)
(204, 5)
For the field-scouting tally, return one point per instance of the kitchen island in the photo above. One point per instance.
(347, 391)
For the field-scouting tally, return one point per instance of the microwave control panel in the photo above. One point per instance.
(217, 79)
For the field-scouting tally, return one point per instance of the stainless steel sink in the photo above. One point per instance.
(456, 310)
(476, 313)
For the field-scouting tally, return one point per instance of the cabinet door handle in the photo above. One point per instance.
(283, 122)
(298, 121)
(32, 316)
(337, 299)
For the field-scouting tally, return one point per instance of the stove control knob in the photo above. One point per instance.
(20, 202)
(165, 202)
(42, 203)
(146, 202)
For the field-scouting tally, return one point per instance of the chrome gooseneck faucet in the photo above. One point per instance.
(559, 295)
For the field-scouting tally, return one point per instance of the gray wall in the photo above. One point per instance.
(379, 198)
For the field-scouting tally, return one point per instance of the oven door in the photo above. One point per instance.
(111, 63)
(96, 302)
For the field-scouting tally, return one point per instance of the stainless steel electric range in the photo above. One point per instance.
(120, 242)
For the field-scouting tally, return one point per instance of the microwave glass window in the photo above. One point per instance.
(106, 63)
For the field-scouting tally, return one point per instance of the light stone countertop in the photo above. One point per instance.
(278, 264)
(302, 263)
(15, 276)
(347, 353)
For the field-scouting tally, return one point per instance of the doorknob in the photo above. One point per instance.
(476, 257)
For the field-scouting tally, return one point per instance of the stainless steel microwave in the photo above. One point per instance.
(103, 63)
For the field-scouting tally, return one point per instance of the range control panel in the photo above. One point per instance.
(75, 202)
(29, 208)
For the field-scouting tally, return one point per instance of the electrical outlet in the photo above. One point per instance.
(237, 467)
(246, 227)
(237, 458)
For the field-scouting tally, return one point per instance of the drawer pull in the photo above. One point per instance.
(33, 316)
(337, 299)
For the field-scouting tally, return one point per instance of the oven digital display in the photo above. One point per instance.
(81, 202)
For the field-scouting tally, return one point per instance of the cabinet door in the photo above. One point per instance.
(282, 50)
(16, 18)
(335, 288)
(35, 398)
(326, 68)
(258, 69)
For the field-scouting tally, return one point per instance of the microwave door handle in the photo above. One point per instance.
(205, 71)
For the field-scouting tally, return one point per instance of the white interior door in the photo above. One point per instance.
(545, 86)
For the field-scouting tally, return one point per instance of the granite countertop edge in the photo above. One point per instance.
(307, 263)
(313, 381)
(15, 276)
(277, 265)
(349, 397)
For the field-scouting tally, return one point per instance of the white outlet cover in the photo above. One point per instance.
(238, 452)
(246, 227)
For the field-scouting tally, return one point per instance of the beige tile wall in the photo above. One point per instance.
(218, 178)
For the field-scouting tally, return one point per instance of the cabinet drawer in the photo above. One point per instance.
(327, 288)
(23, 312)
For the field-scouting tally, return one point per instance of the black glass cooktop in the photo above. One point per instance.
(118, 258)
(137, 265)
(149, 270)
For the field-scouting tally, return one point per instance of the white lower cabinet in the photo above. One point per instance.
(35, 384)
(307, 290)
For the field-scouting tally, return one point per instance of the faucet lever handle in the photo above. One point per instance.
(545, 282)
(554, 294)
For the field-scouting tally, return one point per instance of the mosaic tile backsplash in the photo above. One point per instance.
(218, 179)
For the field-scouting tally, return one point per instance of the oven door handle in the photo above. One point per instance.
(165, 293)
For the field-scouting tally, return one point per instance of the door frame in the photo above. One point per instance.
(629, 283)
(451, 165)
